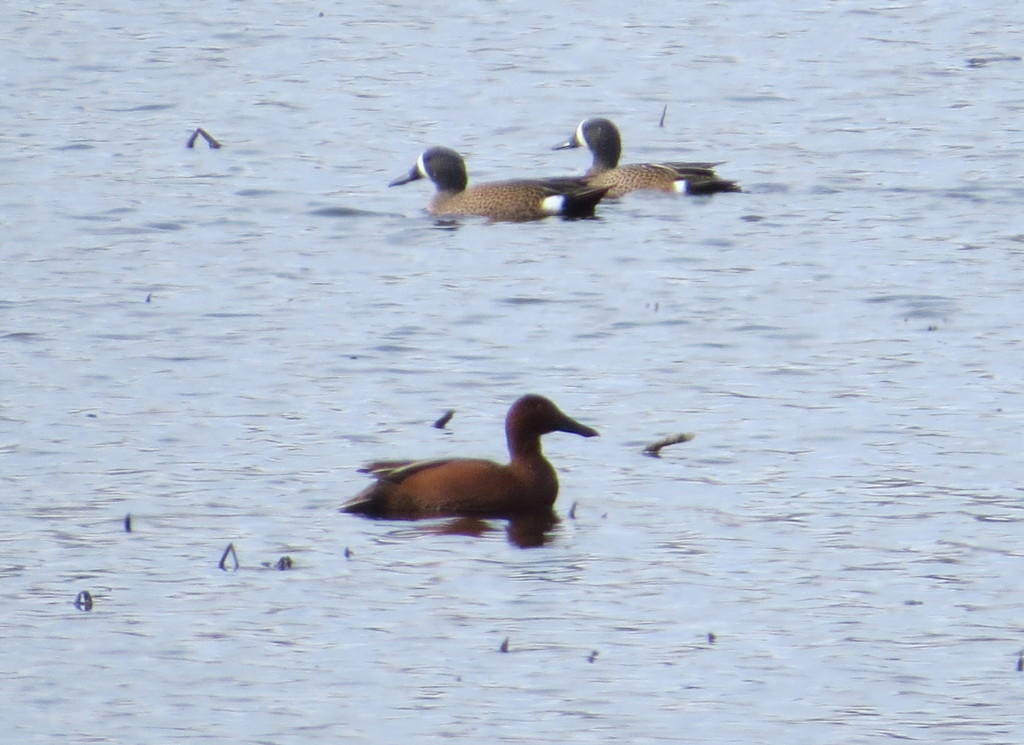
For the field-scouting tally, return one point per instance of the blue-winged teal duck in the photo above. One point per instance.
(603, 140)
(522, 199)
(436, 488)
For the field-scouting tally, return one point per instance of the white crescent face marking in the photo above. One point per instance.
(421, 168)
(553, 205)
(580, 139)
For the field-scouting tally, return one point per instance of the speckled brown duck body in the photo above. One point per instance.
(475, 487)
(521, 199)
(602, 138)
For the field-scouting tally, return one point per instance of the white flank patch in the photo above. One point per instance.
(553, 205)
(680, 185)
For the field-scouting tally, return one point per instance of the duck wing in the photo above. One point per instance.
(700, 177)
(396, 471)
(691, 169)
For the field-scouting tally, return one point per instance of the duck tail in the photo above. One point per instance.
(582, 203)
(711, 186)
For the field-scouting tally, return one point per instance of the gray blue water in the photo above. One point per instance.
(214, 340)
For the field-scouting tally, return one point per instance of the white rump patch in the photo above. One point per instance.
(553, 205)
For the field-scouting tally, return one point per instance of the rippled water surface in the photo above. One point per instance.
(214, 340)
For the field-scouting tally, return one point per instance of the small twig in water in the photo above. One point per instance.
(984, 61)
(654, 449)
(445, 418)
(504, 646)
(664, 111)
(200, 132)
(282, 564)
(83, 601)
(229, 551)
(128, 523)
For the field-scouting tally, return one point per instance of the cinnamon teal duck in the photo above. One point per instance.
(473, 487)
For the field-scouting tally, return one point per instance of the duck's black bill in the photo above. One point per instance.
(412, 175)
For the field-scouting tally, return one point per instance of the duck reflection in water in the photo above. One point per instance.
(528, 530)
(523, 491)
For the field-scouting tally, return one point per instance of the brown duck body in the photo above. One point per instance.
(673, 178)
(512, 200)
(470, 486)
(602, 138)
